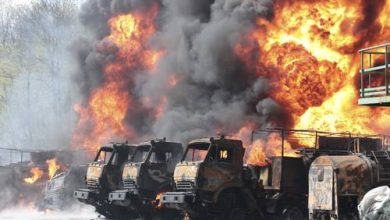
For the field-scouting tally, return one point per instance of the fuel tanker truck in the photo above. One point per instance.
(148, 174)
(212, 181)
(338, 183)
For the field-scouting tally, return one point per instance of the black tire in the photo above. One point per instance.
(169, 215)
(293, 213)
(114, 212)
(237, 214)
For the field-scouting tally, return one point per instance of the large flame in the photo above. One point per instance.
(309, 53)
(307, 50)
(36, 175)
(103, 117)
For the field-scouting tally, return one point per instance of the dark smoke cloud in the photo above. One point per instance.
(214, 91)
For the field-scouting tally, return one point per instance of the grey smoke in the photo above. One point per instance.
(215, 91)
(38, 110)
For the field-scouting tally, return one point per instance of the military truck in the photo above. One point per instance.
(209, 181)
(16, 168)
(104, 175)
(338, 183)
(148, 174)
(212, 182)
(58, 193)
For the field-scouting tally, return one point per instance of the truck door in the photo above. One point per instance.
(218, 169)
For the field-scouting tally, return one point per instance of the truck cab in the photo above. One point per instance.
(146, 176)
(208, 180)
(104, 175)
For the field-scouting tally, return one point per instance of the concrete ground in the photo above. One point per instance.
(32, 214)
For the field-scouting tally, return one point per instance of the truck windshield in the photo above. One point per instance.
(141, 153)
(196, 152)
(104, 155)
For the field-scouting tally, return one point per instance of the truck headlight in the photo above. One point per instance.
(130, 172)
(94, 172)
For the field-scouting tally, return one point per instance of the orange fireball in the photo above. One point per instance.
(103, 116)
(309, 54)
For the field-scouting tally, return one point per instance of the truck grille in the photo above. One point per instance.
(129, 184)
(92, 183)
(184, 185)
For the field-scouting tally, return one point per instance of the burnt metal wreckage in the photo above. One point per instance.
(320, 176)
(16, 165)
(128, 184)
(324, 180)
(103, 176)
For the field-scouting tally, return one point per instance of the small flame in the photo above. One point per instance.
(157, 202)
(36, 175)
(263, 150)
(53, 167)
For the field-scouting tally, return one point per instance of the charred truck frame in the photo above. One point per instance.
(211, 181)
(287, 182)
(338, 183)
(103, 176)
(146, 176)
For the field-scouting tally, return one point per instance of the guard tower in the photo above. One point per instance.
(374, 76)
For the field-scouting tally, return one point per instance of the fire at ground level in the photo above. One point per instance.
(157, 180)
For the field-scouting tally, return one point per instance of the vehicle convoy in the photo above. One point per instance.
(145, 177)
(104, 175)
(338, 183)
(211, 181)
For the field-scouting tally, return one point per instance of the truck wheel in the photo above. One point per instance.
(237, 214)
(293, 213)
(114, 212)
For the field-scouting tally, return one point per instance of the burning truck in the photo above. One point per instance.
(103, 176)
(24, 179)
(338, 183)
(212, 182)
(146, 176)
(59, 189)
(126, 179)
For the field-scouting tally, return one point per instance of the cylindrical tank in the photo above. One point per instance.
(333, 180)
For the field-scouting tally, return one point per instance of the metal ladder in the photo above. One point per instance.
(383, 160)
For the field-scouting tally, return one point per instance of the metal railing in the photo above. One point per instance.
(13, 155)
(300, 139)
(374, 62)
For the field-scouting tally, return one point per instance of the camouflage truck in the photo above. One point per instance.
(103, 176)
(338, 183)
(148, 174)
(210, 183)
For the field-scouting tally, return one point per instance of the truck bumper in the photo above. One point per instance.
(121, 195)
(124, 197)
(176, 200)
(85, 195)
